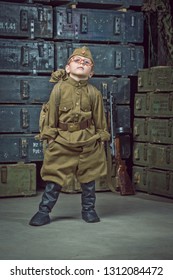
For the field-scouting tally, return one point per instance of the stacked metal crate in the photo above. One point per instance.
(26, 54)
(153, 131)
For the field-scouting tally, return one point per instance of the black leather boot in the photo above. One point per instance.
(89, 214)
(49, 199)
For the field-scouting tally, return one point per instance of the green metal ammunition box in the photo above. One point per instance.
(140, 153)
(154, 105)
(140, 129)
(160, 182)
(153, 155)
(17, 179)
(153, 130)
(158, 78)
(140, 178)
(153, 181)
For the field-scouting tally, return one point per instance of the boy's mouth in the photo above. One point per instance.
(80, 67)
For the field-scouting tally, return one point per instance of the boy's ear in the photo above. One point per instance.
(67, 69)
(91, 74)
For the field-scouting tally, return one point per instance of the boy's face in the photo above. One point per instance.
(80, 66)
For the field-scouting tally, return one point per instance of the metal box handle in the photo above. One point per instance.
(24, 20)
(24, 118)
(168, 155)
(117, 25)
(24, 89)
(167, 181)
(24, 148)
(69, 16)
(84, 24)
(4, 174)
(118, 59)
(25, 56)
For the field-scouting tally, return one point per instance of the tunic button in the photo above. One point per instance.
(65, 108)
(77, 103)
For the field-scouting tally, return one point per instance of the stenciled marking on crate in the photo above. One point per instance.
(8, 26)
(37, 148)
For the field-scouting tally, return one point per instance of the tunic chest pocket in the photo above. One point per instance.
(86, 107)
(65, 106)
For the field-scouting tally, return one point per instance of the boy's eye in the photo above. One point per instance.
(77, 60)
(87, 63)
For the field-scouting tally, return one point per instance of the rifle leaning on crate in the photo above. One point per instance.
(107, 143)
(123, 181)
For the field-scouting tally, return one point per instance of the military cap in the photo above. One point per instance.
(83, 51)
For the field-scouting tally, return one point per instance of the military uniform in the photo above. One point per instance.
(75, 128)
(74, 150)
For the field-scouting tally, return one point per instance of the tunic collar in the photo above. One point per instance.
(75, 83)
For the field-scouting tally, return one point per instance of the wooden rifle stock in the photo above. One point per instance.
(123, 182)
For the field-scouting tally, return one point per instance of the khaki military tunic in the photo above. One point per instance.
(79, 152)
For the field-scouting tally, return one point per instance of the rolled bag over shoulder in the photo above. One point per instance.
(43, 120)
(44, 128)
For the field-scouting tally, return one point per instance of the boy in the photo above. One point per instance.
(75, 133)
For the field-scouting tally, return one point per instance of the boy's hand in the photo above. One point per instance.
(50, 140)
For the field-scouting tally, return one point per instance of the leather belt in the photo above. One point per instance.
(75, 126)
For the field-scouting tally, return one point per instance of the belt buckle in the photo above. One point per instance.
(73, 127)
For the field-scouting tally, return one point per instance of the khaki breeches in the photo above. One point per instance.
(61, 162)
